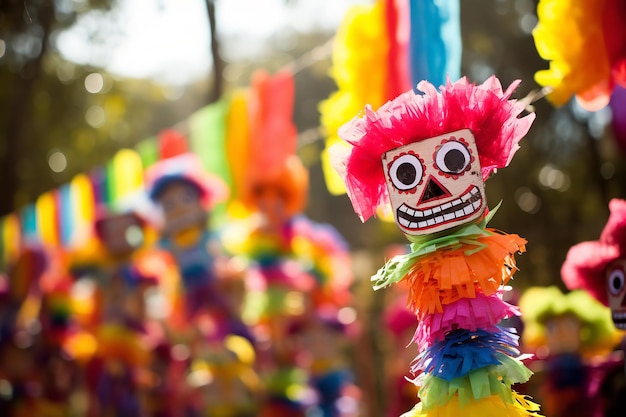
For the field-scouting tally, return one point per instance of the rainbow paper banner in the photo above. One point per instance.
(68, 219)
(47, 219)
(219, 134)
(207, 136)
(83, 209)
(124, 175)
(28, 220)
(407, 41)
(435, 46)
(237, 137)
(11, 236)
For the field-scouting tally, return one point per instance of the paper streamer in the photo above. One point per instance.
(11, 236)
(435, 42)
(47, 219)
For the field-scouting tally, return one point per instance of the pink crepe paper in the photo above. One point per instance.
(484, 109)
(482, 312)
(586, 262)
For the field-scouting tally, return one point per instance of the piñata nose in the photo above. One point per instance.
(433, 191)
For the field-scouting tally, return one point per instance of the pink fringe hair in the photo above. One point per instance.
(484, 109)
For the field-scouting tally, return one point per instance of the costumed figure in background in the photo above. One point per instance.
(295, 266)
(599, 267)
(207, 314)
(569, 334)
(323, 340)
(278, 283)
(18, 313)
(115, 376)
(186, 194)
(64, 347)
(429, 155)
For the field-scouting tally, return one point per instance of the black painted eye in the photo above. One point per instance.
(615, 281)
(406, 172)
(453, 157)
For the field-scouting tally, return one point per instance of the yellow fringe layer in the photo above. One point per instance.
(492, 406)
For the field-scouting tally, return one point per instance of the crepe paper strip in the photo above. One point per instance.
(572, 37)
(396, 269)
(68, 219)
(274, 135)
(455, 272)
(360, 74)
(47, 219)
(98, 181)
(482, 383)
(28, 221)
(435, 42)
(83, 209)
(490, 406)
(148, 151)
(126, 170)
(399, 31)
(481, 312)
(207, 135)
(11, 238)
(484, 109)
(171, 143)
(463, 351)
(238, 140)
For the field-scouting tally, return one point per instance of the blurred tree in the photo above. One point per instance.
(60, 118)
(26, 30)
(218, 64)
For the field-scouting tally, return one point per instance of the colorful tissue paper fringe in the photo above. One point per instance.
(456, 277)
(407, 41)
(585, 44)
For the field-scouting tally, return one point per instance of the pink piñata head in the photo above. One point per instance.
(484, 109)
(587, 263)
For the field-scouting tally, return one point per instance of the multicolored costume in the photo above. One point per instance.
(428, 153)
(569, 334)
(599, 267)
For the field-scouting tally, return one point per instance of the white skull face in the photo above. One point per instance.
(435, 184)
(616, 289)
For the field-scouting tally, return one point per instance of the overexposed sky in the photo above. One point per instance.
(169, 39)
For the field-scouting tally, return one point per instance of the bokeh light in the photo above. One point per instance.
(57, 161)
(527, 200)
(94, 83)
(95, 116)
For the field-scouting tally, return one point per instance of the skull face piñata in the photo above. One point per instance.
(428, 155)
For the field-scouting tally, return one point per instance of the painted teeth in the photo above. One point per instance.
(464, 206)
(619, 319)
